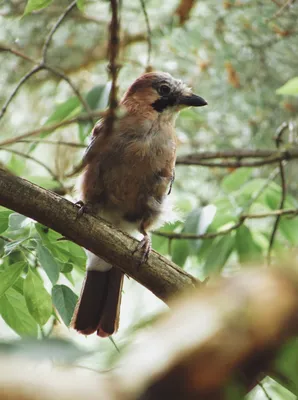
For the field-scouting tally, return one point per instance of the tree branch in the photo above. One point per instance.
(158, 274)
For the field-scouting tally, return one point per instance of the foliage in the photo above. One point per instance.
(238, 55)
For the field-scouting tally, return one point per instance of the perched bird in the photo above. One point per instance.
(128, 174)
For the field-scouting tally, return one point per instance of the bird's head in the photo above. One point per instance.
(158, 93)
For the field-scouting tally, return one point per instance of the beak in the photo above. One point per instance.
(192, 100)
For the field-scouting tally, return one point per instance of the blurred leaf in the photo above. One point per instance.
(246, 247)
(289, 88)
(289, 229)
(219, 254)
(180, 251)
(10, 275)
(33, 5)
(14, 311)
(11, 246)
(67, 267)
(287, 365)
(198, 222)
(65, 300)
(38, 300)
(4, 218)
(61, 350)
(81, 5)
(17, 221)
(48, 263)
(236, 179)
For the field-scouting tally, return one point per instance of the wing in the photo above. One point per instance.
(96, 143)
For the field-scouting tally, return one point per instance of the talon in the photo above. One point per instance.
(82, 208)
(145, 246)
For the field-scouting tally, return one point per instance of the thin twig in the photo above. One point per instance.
(286, 4)
(242, 218)
(53, 142)
(19, 153)
(278, 141)
(16, 89)
(54, 28)
(148, 34)
(113, 67)
(52, 127)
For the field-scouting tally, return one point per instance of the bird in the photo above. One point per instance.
(128, 173)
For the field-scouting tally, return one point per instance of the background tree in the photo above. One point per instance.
(235, 188)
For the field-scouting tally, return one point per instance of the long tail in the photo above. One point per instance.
(98, 307)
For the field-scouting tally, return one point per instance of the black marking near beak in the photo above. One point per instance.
(192, 101)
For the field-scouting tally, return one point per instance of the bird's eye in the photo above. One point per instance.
(164, 90)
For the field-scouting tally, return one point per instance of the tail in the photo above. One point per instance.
(98, 307)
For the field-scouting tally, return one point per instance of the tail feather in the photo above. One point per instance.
(99, 303)
(109, 321)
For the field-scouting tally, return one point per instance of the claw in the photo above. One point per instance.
(145, 246)
(82, 208)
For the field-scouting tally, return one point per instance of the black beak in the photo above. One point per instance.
(192, 101)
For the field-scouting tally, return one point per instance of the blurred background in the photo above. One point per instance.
(241, 56)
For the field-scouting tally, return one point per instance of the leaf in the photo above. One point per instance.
(4, 218)
(289, 229)
(33, 5)
(286, 365)
(65, 300)
(38, 300)
(14, 311)
(61, 350)
(17, 221)
(48, 263)
(10, 276)
(81, 5)
(246, 248)
(219, 254)
(197, 222)
(11, 246)
(236, 179)
(180, 251)
(289, 88)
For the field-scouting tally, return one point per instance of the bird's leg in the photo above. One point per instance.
(144, 245)
(83, 208)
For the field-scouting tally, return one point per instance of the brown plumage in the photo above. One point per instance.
(128, 174)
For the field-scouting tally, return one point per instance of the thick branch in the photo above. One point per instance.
(159, 275)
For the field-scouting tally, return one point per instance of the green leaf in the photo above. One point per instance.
(180, 251)
(246, 247)
(219, 254)
(17, 221)
(65, 300)
(61, 350)
(38, 300)
(10, 276)
(14, 311)
(289, 229)
(197, 222)
(289, 88)
(48, 263)
(236, 179)
(33, 5)
(286, 365)
(4, 220)
(81, 5)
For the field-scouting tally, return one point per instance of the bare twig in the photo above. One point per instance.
(52, 127)
(19, 153)
(242, 218)
(278, 140)
(143, 5)
(276, 156)
(286, 4)
(53, 142)
(113, 67)
(54, 28)
(19, 85)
